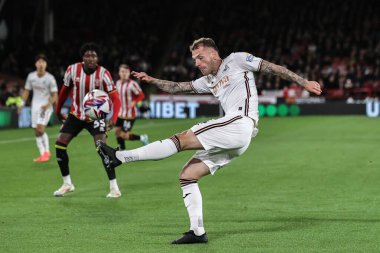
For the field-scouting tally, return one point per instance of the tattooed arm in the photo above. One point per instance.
(173, 87)
(284, 73)
(168, 86)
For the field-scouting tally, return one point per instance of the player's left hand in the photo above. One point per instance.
(313, 87)
(61, 117)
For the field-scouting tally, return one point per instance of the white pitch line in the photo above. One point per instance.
(148, 125)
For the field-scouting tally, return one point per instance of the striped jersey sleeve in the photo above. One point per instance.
(200, 85)
(247, 61)
(136, 88)
(108, 83)
(67, 79)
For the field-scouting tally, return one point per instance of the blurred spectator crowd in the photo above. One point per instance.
(336, 43)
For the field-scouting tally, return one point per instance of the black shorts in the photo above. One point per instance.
(74, 126)
(125, 124)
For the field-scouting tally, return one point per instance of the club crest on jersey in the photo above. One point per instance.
(97, 82)
(77, 79)
(249, 58)
(226, 68)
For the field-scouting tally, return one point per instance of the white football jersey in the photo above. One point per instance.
(234, 85)
(42, 87)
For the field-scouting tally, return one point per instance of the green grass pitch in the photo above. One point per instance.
(306, 184)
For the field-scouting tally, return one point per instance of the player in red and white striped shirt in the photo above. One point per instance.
(130, 94)
(79, 79)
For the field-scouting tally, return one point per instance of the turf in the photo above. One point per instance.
(306, 184)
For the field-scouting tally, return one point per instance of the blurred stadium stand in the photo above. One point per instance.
(334, 42)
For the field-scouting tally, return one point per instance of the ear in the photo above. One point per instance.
(211, 52)
(215, 55)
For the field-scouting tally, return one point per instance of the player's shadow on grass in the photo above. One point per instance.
(281, 224)
(248, 227)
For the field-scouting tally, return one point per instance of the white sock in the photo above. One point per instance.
(153, 151)
(40, 144)
(46, 142)
(113, 184)
(193, 202)
(67, 179)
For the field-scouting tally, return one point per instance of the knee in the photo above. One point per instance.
(39, 132)
(183, 175)
(63, 139)
(182, 138)
(123, 135)
(177, 142)
(117, 133)
(195, 169)
(187, 141)
(60, 144)
(60, 147)
(60, 150)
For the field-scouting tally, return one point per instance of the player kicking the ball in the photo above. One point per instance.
(217, 141)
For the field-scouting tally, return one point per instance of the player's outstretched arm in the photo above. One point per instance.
(168, 86)
(284, 73)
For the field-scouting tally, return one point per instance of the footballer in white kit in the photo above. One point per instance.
(45, 93)
(217, 141)
(43, 87)
(234, 85)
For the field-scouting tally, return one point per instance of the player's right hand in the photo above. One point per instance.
(142, 76)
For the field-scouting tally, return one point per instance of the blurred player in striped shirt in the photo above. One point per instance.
(130, 94)
(79, 79)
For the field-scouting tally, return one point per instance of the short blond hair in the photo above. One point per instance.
(206, 42)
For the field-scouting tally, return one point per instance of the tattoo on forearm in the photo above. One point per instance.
(284, 73)
(173, 87)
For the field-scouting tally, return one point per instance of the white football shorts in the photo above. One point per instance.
(40, 117)
(223, 139)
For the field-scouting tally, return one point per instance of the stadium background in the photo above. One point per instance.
(333, 42)
(313, 180)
